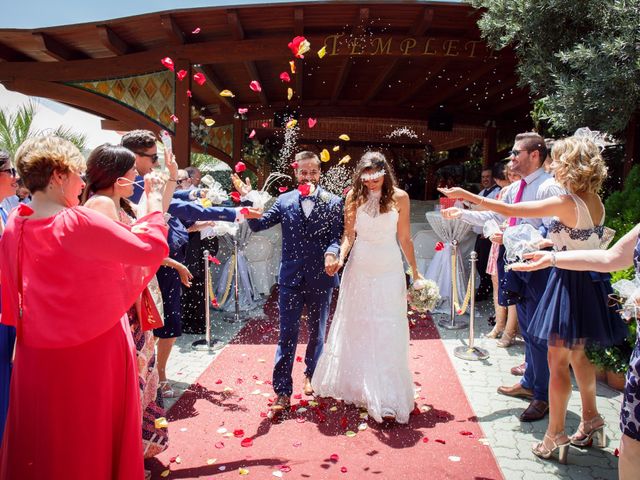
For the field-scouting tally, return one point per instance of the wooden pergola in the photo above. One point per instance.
(421, 65)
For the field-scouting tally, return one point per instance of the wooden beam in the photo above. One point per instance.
(171, 28)
(357, 30)
(237, 31)
(182, 129)
(8, 54)
(115, 125)
(218, 51)
(435, 68)
(216, 85)
(112, 41)
(423, 23)
(515, 102)
(298, 29)
(439, 97)
(56, 49)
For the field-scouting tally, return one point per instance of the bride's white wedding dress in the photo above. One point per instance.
(365, 360)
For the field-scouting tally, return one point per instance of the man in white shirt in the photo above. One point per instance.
(529, 151)
(483, 245)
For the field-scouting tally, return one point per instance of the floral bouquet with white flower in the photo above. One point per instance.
(423, 295)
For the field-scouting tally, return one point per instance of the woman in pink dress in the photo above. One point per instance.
(69, 275)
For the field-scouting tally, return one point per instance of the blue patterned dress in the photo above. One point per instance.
(630, 413)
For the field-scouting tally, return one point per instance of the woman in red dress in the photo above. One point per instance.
(69, 275)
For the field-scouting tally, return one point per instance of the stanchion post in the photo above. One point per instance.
(452, 325)
(206, 343)
(235, 271)
(470, 352)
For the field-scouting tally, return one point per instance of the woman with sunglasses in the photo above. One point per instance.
(8, 187)
(625, 253)
(69, 275)
(573, 310)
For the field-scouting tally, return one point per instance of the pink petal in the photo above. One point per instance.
(199, 78)
(255, 86)
(265, 124)
(181, 74)
(246, 442)
(240, 167)
(242, 111)
(312, 122)
(252, 134)
(334, 457)
(189, 93)
(196, 31)
(219, 445)
(174, 119)
(283, 189)
(284, 76)
(168, 63)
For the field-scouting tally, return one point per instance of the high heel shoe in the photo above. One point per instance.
(494, 333)
(166, 390)
(507, 340)
(584, 438)
(541, 450)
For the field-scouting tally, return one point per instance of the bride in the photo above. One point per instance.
(365, 360)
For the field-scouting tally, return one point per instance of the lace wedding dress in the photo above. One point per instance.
(365, 360)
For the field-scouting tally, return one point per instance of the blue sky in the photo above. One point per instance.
(47, 13)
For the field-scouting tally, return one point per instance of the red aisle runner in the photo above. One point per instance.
(218, 429)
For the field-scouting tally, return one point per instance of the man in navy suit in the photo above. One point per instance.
(312, 223)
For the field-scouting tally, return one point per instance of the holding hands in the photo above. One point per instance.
(332, 264)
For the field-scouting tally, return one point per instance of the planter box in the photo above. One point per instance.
(601, 374)
(615, 380)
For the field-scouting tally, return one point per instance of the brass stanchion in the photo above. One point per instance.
(206, 343)
(472, 352)
(452, 325)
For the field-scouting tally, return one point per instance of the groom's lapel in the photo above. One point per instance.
(318, 207)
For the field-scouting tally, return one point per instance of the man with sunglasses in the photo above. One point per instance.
(523, 288)
(143, 144)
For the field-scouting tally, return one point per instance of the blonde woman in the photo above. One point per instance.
(573, 310)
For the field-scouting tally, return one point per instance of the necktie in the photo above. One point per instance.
(523, 183)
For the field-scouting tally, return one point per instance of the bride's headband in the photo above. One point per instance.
(373, 176)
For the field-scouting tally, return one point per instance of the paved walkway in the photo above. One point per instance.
(509, 438)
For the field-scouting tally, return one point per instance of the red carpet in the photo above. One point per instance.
(441, 442)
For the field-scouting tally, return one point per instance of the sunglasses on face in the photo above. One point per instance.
(515, 153)
(153, 157)
(11, 171)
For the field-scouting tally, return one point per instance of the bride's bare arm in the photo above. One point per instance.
(404, 231)
(616, 258)
(349, 234)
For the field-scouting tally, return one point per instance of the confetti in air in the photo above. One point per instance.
(288, 149)
(403, 132)
(336, 179)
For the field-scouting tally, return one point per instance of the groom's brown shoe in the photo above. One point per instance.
(516, 390)
(307, 388)
(282, 403)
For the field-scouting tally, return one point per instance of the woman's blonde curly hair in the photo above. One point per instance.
(39, 157)
(578, 165)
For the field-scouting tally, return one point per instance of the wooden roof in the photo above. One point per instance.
(397, 61)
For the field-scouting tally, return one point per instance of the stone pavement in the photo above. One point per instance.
(509, 439)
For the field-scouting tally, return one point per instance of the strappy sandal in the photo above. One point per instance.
(588, 433)
(542, 451)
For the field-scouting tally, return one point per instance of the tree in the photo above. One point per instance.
(580, 59)
(16, 127)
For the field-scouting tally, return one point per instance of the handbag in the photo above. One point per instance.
(148, 313)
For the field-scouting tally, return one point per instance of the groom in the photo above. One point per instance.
(312, 223)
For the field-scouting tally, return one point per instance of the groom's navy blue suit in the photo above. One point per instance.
(302, 279)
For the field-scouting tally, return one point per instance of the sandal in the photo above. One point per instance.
(494, 333)
(166, 390)
(542, 451)
(588, 431)
(507, 340)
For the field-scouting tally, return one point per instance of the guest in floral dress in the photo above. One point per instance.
(110, 175)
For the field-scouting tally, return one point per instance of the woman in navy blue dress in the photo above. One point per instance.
(623, 254)
(8, 186)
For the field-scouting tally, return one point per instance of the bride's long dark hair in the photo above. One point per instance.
(372, 162)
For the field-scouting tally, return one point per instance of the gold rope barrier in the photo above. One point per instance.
(461, 310)
(229, 280)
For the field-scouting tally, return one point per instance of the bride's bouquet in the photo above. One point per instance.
(423, 295)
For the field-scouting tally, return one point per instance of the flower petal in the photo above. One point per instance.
(294, 165)
(161, 422)
(246, 442)
(255, 86)
(311, 122)
(174, 119)
(336, 148)
(291, 123)
(322, 52)
(199, 78)
(189, 93)
(283, 189)
(240, 167)
(168, 63)
(226, 93)
(209, 122)
(289, 93)
(325, 156)
(243, 471)
(292, 66)
(344, 137)
(243, 111)
(344, 160)
(235, 196)
(181, 74)
(196, 31)
(284, 76)
(264, 124)
(252, 134)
